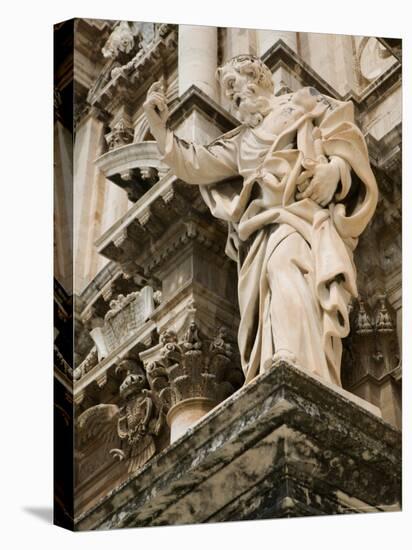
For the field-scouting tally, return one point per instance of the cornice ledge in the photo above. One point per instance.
(280, 51)
(194, 99)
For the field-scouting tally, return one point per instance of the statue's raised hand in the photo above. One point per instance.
(155, 105)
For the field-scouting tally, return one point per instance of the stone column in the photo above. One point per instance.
(88, 195)
(239, 42)
(266, 39)
(63, 206)
(198, 59)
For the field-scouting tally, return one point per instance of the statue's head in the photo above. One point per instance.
(247, 82)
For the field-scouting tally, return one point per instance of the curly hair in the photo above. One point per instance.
(249, 64)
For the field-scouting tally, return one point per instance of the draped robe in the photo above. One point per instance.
(295, 257)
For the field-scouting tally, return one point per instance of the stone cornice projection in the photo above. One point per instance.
(195, 99)
(284, 445)
(281, 55)
(135, 240)
(129, 81)
(386, 153)
(394, 45)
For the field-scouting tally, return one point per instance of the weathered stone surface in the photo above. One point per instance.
(284, 445)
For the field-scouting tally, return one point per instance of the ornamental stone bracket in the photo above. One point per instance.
(134, 167)
(192, 374)
(285, 445)
(291, 72)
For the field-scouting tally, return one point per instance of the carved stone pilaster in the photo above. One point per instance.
(191, 375)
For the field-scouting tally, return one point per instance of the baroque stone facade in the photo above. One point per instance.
(142, 275)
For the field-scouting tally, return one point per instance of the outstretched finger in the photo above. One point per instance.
(155, 87)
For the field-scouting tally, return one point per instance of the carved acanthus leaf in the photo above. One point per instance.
(194, 366)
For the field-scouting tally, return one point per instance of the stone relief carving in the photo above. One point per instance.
(124, 317)
(383, 321)
(295, 221)
(119, 135)
(128, 430)
(373, 58)
(129, 38)
(125, 47)
(87, 364)
(122, 39)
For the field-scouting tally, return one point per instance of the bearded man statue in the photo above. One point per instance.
(305, 194)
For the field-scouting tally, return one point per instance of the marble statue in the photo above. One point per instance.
(294, 183)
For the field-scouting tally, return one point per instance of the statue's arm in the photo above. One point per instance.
(195, 164)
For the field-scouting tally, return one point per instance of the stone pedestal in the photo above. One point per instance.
(284, 445)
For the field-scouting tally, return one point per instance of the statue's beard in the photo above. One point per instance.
(252, 110)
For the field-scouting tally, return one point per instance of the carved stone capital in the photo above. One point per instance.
(192, 374)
